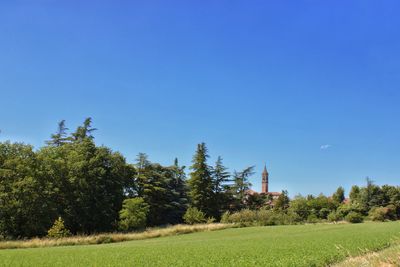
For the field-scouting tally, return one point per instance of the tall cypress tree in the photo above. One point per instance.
(200, 182)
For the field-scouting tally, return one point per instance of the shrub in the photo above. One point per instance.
(133, 214)
(263, 216)
(58, 229)
(193, 216)
(244, 217)
(343, 210)
(225, 217)
(323, 213)
(354, 217)
(334, 217)
(382, 213)
(378, 214)
(312, 218)
(210, 220)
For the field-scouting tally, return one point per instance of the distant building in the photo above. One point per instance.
(265, 185)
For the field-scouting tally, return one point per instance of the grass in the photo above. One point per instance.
(389, 257)
(112, 237)
(301, 245)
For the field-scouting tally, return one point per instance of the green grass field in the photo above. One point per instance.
(303, 245)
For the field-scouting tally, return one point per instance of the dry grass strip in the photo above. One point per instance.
(113, 237)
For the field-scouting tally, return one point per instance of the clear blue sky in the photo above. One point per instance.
(312, 88)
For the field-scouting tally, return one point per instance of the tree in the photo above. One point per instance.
(58, 229)
(60, 137)
(193, 216)
(354, 193)
(133, 214)
(300, 206)
(220, 177)
(25, 207)
(200, 183)
(178, 193)
(85, 131)
(282, 202)
(338, 196)
(241, 186)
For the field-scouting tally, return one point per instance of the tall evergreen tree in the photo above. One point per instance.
(200, 182)
(178, 193)
(338, 196)
(241, 186)
(84, 131)
(60, 137)
(220, 177)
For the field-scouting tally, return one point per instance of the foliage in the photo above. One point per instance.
(282, 202)
(220, 178)
(244, 217)
(338, 196)
(333, 216)
(201, 183)
(86, 184)
(163, 189)
(382, 213)
(58, 229)
(225, 217)
(133, 214)
(193, 216)
(354, 217)
(240, 187)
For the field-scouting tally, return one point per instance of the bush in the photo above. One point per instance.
(193, 216)
(133, 214)
(354, 217)
(58, 229)
(210, 220)
(244, 217)
(334, 217)
(382, 213)
(312, 218)
(263, 217)
(323, 213)
(225, 217)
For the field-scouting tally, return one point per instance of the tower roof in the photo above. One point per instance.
(265, 168)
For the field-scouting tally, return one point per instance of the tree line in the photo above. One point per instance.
(91, 189)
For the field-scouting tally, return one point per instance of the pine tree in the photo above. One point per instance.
(200, 182)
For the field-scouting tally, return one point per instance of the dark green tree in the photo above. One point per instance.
(282, 202)
(240, 187)
(201, 187)
(25, 207)
(60, 137)
(220, 177)
(338, 196)
(84, 131)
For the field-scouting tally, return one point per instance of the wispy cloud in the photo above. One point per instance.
(324, 147)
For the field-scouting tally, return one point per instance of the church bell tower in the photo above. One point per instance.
(264, 188)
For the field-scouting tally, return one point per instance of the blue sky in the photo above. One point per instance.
(309, 87)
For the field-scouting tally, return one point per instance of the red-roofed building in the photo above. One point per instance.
(265, 186)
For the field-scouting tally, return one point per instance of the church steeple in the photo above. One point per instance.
(264, 188)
